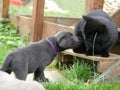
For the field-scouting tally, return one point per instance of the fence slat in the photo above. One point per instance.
(37, 20)
(4, 7)
(93, 5)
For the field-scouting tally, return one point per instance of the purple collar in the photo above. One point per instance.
(52, 46)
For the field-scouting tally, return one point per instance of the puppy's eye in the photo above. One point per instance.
(63, 37)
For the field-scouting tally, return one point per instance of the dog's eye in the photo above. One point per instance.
(63, 37)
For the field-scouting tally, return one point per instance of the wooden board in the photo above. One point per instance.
(104, 65)
(50, 29)
(4, 7)
(102, 62)
(116, 18)
(37, 20)
(112, 56)
(94, 5)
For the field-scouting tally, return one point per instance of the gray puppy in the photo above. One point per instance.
(35, 57)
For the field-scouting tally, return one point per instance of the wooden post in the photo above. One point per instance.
(93, 5)
(37, 20)
(4, 7)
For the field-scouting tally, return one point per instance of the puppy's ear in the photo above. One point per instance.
(61, 40)
(87, 18)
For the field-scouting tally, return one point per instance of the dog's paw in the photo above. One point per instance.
(105, 55)
(45, 80)
(89, 53)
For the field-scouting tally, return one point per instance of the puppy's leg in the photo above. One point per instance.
(20, 73)
(39, 75)
(6, 70)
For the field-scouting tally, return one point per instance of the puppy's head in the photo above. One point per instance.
(65, 40)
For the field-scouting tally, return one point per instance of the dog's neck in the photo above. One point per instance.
(54, 45)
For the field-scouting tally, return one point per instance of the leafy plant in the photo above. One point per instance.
(7, 29)
(3, 52)
(9, 36)
(11, 42)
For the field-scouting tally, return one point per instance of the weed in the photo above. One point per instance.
(8, 29)
(79, 70)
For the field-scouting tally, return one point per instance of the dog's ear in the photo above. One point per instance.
(59, 39)
(87, 18)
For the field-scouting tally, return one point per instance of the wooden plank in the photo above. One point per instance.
(116, 18)
(24, 25)
(93, 5)
(37, 20)
(112, 57)
(104, 65)
(50, 29)
(4, 7)
(112, 69)
(62, 20)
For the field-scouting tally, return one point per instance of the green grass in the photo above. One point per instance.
(80, 71)
(3, 52)
(78, 75)
(63, 86)
(82, 86)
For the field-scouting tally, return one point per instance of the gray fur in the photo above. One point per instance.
(35, 57)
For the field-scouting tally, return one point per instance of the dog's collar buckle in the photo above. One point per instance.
(52, 46)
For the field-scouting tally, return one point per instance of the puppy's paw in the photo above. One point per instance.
(45, 80)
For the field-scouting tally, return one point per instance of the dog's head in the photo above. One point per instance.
(94, 24)
(65, 40)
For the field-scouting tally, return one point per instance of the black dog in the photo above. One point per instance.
(35, 57)
(97, 34)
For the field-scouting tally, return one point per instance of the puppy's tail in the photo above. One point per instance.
(6, 64)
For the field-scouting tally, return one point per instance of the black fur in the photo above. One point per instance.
(100, 24)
